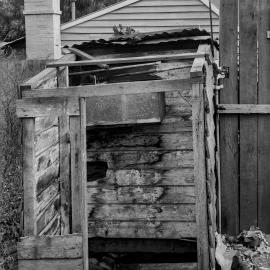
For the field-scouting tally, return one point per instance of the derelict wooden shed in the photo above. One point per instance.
(143, 167)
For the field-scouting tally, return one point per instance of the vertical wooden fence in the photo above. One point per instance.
(245, 128)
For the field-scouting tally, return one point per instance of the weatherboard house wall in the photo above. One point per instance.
(143, 16)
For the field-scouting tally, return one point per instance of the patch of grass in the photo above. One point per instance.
(12, 73)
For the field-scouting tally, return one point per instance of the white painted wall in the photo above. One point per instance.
(143, 16)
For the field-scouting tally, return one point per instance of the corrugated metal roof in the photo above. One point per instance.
(174, 35)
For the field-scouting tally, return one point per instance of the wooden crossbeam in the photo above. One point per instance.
(150, 58)
(86, 56)
(243, 109)
(128, 88)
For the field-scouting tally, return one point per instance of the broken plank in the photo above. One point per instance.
(46, 247)
(144, 159)
(99, 90)
(127, 212)
(142, 229)
(130, 141)
(145, 177)
(141, 195)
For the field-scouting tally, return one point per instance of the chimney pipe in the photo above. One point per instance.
(42, 25)
(73, 9)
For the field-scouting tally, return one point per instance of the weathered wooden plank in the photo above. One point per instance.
(144, 159)
(154, 229)
(243, 109)
(130, 141)
(46, 178)
(142, 59)
(47, 158)
(45, 217)
(162, 266)
(29, 179)
(248, 124)
(46, 247)
(76, 186)
(141, 177)
(83, 170)
(45, 198)
(197, 67)
(64, 174)
(46, 139)
(44, 107)
(229, 124)
(200, 176)
(58, 264)
(141, 195)
(46, 122)
(264, 121)
(100, 90)
(127, 212)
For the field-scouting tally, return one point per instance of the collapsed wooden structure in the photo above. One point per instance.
(148, 179)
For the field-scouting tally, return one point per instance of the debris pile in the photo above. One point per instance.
(250, 250)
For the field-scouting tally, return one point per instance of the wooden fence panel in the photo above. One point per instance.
(264, 120)
(229, 154)
(248, 124)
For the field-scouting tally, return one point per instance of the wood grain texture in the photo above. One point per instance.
(47, 247)
(248, 124)
(200, 176)
(229, 153)
(76, 186)
(29, 179)
(100, 90)
(144, 177)
(243, 109)
(46, 122)
(36, 107)
(58, 264)
(64, 174)
(144, 229)
(264, 121)
(141, 195)
(128, 212)
(167, 266)
(83, 170)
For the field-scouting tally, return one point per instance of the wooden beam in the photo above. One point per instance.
(243, 109)
(149, 58)
(128, 88)
(47, 247)
(197, 67)
(200, 176)
(86, 56)
(27, 108)
(29, 180)
(83, 179)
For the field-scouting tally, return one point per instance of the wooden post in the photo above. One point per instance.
(83, 179)
(200, 176)
(29, 180)
(64, 174)
(229, 168)
(264, 120)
